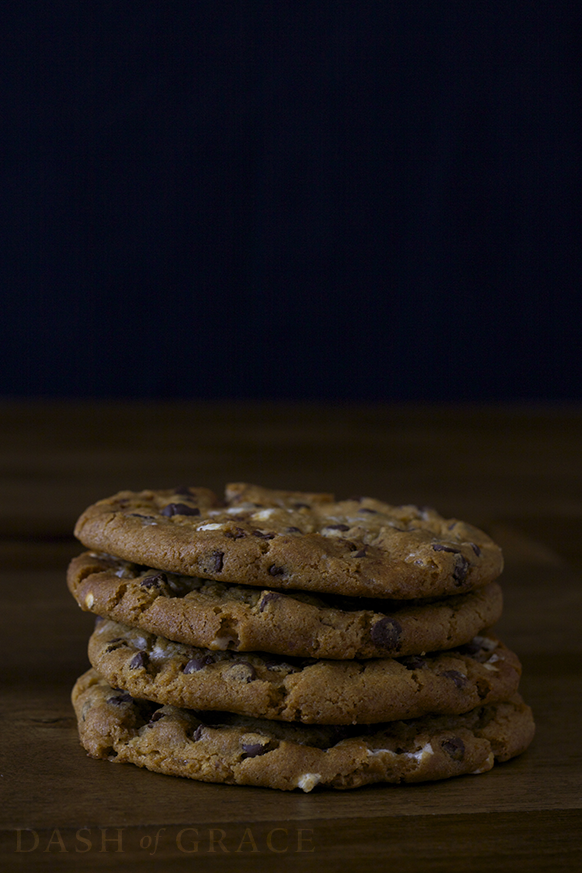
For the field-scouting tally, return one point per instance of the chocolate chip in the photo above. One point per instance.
(156, 716)
(218, 560)
(458, 679)
(276, 571)
(252, 750)
(118, 699)
(454, 747)
(157, 581)
(476, 549)
(369, 511)
(293, 530)
(337, 527)
(179, 509)
(268, 598)
(263, 536)
(242, 671)
(461, 569)
(438, 547)
(412, 662)
(360, 554)
(387, 633)
(114, 644)
(235, 534)
(195, 664)
(139, 660)
(472, 648)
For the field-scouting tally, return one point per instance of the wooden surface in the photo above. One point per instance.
(516, 472)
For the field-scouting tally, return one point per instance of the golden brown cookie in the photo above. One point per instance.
(219, 615)
(221, 747)
(311, 691)
(294, 540)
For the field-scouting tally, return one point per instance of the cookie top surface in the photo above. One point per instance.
(221, 747)
(221, 615)
(281, 539)
(310, 691)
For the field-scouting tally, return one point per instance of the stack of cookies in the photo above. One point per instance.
(288, 640)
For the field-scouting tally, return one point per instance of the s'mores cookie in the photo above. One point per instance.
(312, 691)
(233, 749)
(241, 618)
(294, 540)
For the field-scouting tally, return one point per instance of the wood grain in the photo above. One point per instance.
(517, 472)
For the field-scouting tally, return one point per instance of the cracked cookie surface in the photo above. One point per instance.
(310, 691)
(222, 747)
(294, 540)
(221, 616)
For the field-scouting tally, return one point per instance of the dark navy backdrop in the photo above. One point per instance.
(338, 200)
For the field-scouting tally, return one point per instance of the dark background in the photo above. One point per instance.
(291, 200)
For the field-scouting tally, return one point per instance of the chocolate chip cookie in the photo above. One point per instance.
(312, 691)
(220, 616)
(256, 536)
(221, 747)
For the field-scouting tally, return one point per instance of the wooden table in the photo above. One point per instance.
(517, 472)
